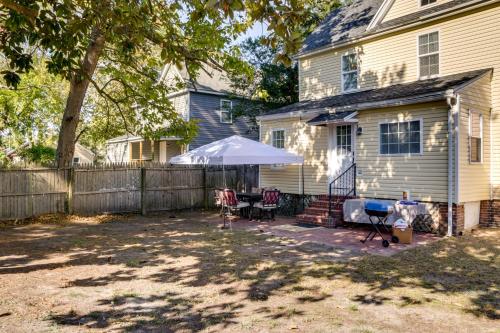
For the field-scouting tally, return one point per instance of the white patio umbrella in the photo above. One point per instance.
(236, 150)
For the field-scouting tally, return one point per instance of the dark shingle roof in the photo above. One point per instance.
(414, 92)
(352, 21)
(342, 24)
(330, 117)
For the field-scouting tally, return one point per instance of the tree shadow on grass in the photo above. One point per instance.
(169, 312)
(192, 253)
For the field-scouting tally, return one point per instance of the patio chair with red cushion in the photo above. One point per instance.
(231, 205)
(269, 203)
(218, 199)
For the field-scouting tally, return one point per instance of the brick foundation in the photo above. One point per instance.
(316, 213)
(458, 219)
(489, 215)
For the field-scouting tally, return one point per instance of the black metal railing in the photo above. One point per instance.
(341, 188)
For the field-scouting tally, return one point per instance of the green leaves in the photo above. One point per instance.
(140, 38)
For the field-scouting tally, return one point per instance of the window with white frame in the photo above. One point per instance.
(278, 138)
(427, 2)
(349, 72)
(428, 54)
(475, 137)
(403, 137)
(226, 111)
(344, 137)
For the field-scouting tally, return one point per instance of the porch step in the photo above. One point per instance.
(321, 211)
(323, 204)
(312, 219)
(318, 211)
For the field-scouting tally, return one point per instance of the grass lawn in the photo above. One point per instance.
(182, 274)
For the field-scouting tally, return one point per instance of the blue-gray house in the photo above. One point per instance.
(209, 100)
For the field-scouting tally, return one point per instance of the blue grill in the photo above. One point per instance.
(379, 210)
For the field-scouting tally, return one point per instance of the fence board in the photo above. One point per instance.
(114, 188)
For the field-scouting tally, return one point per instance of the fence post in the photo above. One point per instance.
(70, 185)
(205, 189)
(143, 190)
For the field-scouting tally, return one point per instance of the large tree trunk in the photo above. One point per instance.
(79, 84)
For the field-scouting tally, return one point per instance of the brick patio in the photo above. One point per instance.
(347, 237)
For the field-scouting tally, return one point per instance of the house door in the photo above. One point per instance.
(341, 152)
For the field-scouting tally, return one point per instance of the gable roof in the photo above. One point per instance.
(425, 13)
(351, 22)
(399, 94)
(342, 24)
(209, 80)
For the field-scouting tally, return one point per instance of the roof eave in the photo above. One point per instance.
(425, 98)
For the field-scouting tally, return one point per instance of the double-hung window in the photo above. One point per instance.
(475, 137)
(403, 137)
(278, 138)
(349, 72)
(427, 2)
(226, 111)
(428, 54)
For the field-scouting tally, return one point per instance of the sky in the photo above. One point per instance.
(257, 30)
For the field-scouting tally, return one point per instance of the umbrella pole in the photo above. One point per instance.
(223, 175)
(303, 197)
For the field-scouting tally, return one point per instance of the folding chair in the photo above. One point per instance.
(269, 203)
(231, 205)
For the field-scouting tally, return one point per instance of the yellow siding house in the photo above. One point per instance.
(398, 96)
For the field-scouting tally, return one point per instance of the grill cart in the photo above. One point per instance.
(378, 212)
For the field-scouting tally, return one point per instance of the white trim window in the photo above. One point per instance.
(428, 55)
(427, 2)
(278, 138)
(350, 72)
(226, 111)
(475, 137)
(403, 137)
(344, 138)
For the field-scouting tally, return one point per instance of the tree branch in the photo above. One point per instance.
(29, 13)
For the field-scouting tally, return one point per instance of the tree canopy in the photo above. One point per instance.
(119, 47)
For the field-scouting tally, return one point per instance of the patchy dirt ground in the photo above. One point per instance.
(165, 274)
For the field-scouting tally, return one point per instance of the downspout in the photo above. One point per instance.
(452, 100)
(260, 140)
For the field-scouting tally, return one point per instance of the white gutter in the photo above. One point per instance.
(453, 101)
(421, 21)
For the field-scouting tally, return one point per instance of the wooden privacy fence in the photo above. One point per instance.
(111, 189)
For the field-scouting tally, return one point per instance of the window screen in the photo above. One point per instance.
(400, 138)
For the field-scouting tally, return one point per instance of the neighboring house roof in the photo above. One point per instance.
(81, 149)
(209, 80)
(124, 138)
(352, 22)
(399, 94)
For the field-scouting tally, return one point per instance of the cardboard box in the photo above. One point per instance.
(405, 235)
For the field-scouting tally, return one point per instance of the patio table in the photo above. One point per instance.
(251, 198)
